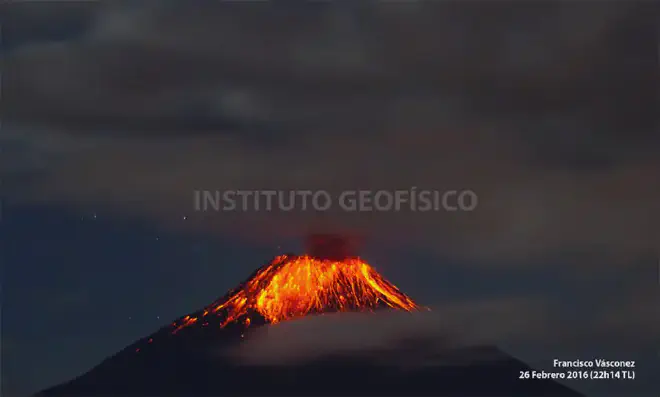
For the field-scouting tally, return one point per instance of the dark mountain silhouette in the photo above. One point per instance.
(183, 359)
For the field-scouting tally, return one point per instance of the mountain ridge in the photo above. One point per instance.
(184, 359)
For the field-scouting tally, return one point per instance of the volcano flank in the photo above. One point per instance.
(295, 286)
(176, 360)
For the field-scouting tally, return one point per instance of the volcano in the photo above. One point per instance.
(294, 286)
(177, 359)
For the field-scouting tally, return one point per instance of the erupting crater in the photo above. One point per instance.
(293, 286)
(331, 279)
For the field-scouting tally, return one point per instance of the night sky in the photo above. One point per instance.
(114, 114)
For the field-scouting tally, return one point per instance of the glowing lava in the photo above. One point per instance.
(294, 286)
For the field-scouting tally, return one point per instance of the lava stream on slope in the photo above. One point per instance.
(293, 286)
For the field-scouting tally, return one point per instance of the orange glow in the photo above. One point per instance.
(294, 286)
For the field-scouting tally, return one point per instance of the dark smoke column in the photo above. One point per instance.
(331, 246)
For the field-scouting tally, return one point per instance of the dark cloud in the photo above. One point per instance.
(546, 111)
(26, 23)
(165, 61)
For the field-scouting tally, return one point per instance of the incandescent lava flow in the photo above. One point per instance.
(292, 286)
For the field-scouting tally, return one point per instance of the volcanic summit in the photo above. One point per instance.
(291, 286)
(175, 361)
(294, 286)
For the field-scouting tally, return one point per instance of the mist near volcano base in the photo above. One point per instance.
(531, 329)
(378, 333)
